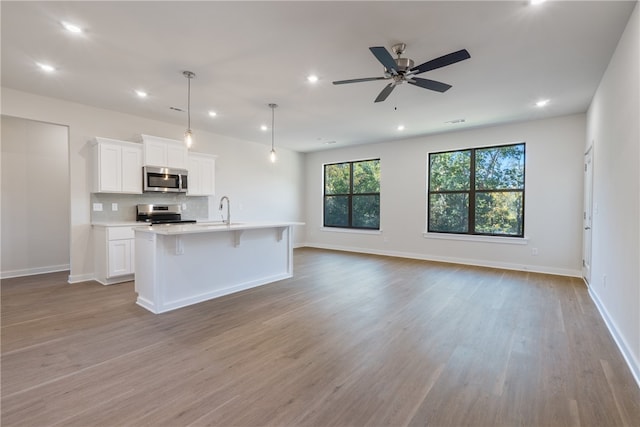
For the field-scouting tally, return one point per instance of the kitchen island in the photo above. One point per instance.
(182, 264)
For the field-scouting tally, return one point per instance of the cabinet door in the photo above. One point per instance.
(207, 176)
(155, 153)
(110, 168)
(120, 259)
(132, 170)
(194, 176)
(201, 175)
(176, 156)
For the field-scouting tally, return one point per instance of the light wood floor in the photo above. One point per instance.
(350, 340)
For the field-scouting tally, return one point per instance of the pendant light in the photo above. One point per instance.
(272, 155)
(188, 135)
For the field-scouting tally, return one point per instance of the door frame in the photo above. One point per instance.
(587, 215)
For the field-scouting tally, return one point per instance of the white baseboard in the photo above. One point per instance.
(632, 362)
(77, 278)
(33, 271)
(465, 261)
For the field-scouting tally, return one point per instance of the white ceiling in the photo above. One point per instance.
(249, 54)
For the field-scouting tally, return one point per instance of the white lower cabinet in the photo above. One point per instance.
(120, 257)
(114, 253)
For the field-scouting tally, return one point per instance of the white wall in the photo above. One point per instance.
(258, 189)
(613, 131)
(553, 198)
(35, 197)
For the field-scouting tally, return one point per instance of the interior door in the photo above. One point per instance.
(587, 215)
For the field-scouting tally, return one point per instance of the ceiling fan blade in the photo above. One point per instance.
(429, 84)
(366, 79)
(385, 92)
(442, 61)
(382, 54)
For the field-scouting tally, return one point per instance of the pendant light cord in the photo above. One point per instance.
(272, 122)
(189, 102)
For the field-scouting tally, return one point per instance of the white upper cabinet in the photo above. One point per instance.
(117, 166)
(132, 168)
(164, 152)
(202, 174)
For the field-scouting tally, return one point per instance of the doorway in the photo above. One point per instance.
(587, 215)
(35, 203)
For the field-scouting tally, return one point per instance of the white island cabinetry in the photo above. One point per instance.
(202, 174)
(180, 265)
(117, 166)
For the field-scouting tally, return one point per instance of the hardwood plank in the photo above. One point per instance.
(351, 339)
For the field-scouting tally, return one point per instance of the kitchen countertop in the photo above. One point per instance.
(211, 227)
(116, 223)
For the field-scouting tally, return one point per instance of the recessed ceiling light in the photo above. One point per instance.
(141, 93)
(212, 114)
(46, 67)
(312, 78)
(400, 127)
(536, 2)
(263, 127)
(72, 28)
(542, 103)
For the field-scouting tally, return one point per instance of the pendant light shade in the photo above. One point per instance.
(188, 134)
(272, 155)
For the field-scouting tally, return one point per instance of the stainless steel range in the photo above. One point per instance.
(161, 214)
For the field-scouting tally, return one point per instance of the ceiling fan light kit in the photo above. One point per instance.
(401, 70)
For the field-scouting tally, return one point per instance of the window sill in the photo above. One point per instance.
(350, 230)
(472, 238)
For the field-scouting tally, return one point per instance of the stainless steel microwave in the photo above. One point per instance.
(164, 180)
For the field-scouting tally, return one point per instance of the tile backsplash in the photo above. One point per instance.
(196, 207)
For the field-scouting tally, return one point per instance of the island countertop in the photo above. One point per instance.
(212, 227)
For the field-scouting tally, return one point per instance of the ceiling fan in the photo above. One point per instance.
(401, 70)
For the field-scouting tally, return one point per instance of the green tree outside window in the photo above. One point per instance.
(477, 191)
(352, 194)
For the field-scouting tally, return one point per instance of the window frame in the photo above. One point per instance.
(349, 195)
(472, 193)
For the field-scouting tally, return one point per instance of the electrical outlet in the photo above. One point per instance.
(184, 206)
(604, 280)
(534, 251)
(97, 207)
(114, 206)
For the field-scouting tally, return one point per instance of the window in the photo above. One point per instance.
(352, 194)
(477, 191)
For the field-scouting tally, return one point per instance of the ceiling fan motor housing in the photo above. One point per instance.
(404, 64)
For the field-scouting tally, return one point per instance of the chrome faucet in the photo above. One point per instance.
(222, 199)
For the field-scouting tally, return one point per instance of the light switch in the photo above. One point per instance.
(97, 207)
(114, 206)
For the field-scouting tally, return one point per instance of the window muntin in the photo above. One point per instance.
(477, 191)
(352, 194)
